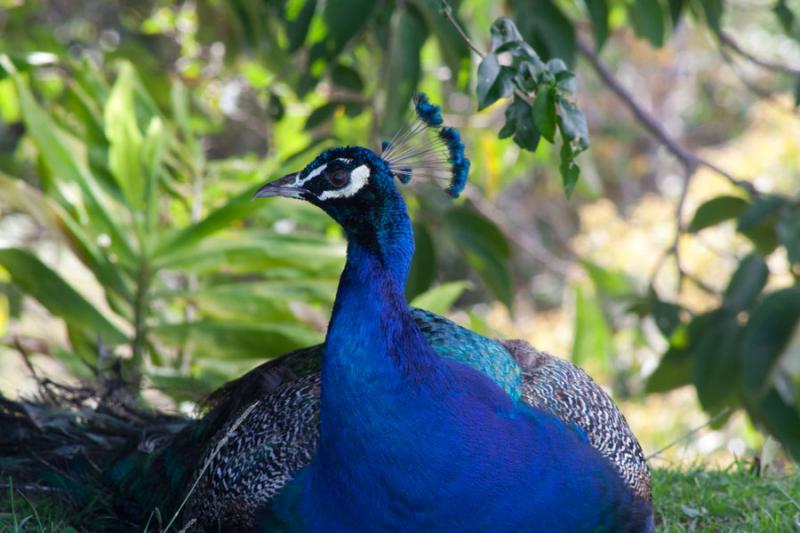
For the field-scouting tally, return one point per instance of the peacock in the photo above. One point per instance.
(401, 420)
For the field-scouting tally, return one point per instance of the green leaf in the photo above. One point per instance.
(746, 283)
(298, 21)
(43, 284)
(486, 249)
(570, 172)
(784, 15)
(758, 222)
(152, 158)
(546, 28)
(321, 115)
(788, 229)
(347, 78)
(676, 8)
(504, 32)
(408, 34)
(666, 315)
(572, 123)
(224, 340)
(62, 164)
(612, 283)
(713, 12)
(494, 81)
(770, 328)
(761, 209)
(440, 298)
(237, 208)
(598, 15)
(674, 370)
(716, 363)
(717, 210)
(797, 92)
(341, 21)
(780, 418)
(519, 123)
(647, 19)
(247, 252)
(125, 139)
(423, 264)
(592, 336)
(544, 112)
(48, 213)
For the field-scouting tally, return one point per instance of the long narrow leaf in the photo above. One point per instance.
(42, 283)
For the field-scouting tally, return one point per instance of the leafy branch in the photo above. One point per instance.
(528, 118)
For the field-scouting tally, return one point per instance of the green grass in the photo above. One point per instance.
(694, 500)
(731, 500)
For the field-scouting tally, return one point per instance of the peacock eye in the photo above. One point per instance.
(339, 178)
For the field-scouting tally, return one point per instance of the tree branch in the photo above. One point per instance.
(688, 159)
(728, 41)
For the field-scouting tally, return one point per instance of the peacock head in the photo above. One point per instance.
(352, 184)
(358, 187)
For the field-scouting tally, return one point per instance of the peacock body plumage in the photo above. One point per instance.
(400, 420)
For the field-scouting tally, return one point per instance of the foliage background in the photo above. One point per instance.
(132, 135)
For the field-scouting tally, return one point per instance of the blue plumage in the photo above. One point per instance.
(429, 113)
(458, 161)
(409, 439)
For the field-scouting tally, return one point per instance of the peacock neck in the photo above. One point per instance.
(370, 317)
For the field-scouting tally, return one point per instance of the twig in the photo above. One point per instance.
(728, 41)
(690, 161)
(689, 434)
(447, 12)
(762, 93)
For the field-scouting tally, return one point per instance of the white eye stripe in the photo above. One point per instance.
(311, 175)
(359, 177)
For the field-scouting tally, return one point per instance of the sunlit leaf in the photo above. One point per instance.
(42, 283)
(225, 340)
(125, 138)
(592, 336)
(63, 165)
(440, 298)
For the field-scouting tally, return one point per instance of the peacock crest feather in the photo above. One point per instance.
(426, 148)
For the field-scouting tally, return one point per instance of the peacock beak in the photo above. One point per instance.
(285, 186)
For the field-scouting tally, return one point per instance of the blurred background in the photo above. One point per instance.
(132, 135)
